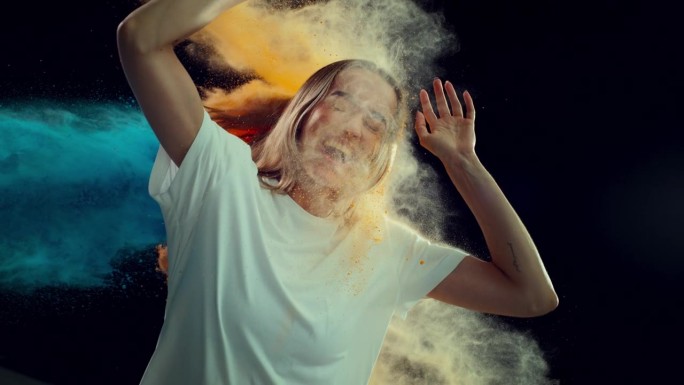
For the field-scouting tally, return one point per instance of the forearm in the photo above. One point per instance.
(510, 245)
(161, 84)
(162, 23)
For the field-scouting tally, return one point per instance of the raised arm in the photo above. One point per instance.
(161, 85)
(515, 283)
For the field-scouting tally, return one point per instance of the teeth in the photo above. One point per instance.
(336, 152)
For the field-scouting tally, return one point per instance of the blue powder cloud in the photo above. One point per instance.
(73, 191)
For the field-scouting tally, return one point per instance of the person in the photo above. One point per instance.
(278, 272)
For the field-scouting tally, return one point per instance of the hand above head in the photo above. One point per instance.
(451, 134)
(515, 282)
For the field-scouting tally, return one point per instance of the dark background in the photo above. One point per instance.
(578, 121)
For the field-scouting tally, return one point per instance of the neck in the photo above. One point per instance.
(319, 201)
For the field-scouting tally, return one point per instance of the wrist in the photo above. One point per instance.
(465, 161)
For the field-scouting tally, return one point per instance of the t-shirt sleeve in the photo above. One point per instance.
(180, 192)
(424, 266)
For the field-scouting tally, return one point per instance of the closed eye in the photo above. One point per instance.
(378, 118)
(374, 125)
(343, 102)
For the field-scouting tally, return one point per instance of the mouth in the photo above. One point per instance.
(337, 153)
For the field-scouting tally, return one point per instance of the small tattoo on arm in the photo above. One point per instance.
(515, 259)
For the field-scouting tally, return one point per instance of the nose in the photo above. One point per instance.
(353, 126)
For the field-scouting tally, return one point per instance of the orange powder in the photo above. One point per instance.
(283, 48)
(162, 258)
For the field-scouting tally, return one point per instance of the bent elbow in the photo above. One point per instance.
(127, 36)
(543, 306)
(133, 37)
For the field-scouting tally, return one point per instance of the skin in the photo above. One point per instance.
(514, 283)
(339, 139)
(162, 86)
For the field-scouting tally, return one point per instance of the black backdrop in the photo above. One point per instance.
(578, 121)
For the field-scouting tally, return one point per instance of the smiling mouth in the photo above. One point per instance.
(336, 153)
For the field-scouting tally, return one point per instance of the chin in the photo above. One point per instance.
(345, 181)
(323, 177)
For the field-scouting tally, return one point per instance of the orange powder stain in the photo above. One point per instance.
(422, 262)
(367, 228)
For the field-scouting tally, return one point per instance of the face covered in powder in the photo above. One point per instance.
(343, 133)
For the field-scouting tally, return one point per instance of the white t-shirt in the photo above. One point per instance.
(262, 292)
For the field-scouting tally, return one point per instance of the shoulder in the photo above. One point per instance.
(400, 237)
(215, 144)
(400, 229)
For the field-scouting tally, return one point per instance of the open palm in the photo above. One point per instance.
(451, 133)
